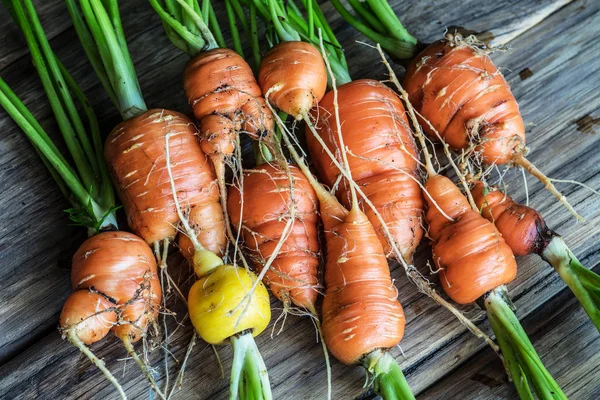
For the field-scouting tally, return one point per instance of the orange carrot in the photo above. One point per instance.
(382, 156)
(261, 209)
(135, 153)
(292, 76)
(472, 256)
(362, 316)
(525, 231)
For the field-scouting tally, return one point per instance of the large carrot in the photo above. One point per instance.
(454, 85)
(526, 232)
(383, 159)
(362, 317)
(475, 264)
(114, 274)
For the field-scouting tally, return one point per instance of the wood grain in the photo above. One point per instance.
(555, 41)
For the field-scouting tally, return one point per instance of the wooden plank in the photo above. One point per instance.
(434, 343)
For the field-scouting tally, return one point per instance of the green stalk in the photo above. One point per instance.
(110, 41)
(177, 18)
(254, 37)
(524, 364)
(44, 62)
(388, 380)
(249, 377)
(235, 33)
(399, 49)
(99, 217)
(366, 15)
(584, 284)
(214, 26)
(386, 15)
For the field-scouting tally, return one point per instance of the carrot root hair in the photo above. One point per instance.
(71, 335)
(522, 161)
(144, 367)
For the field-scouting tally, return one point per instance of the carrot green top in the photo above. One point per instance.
(376, 20)
(98, 25)
(87, 186)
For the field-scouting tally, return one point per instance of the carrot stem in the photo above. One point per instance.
(388, 380)
(402, 49)
(584, 284)
(235, 33)
(517, 348)
(249, 377)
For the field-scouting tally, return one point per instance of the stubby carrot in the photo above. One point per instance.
(526, 232)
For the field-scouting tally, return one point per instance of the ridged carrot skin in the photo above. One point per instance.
(522, 227)
(221, 88)
(361, 311)
(293, 77)
(135, 154)
(114, 271)
(263, 211)
(382, 156)
(459, 90)
(470, 253)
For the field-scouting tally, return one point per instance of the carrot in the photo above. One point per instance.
(476, 263)
(261, 209)
(456, 88)
(220, 87)
(384, 166)
(526, 232)
(362, 317)
(114, 274)
(135, 153)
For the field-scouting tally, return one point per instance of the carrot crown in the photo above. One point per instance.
(87, 186)
(289, 23)
(187, 24)
(376, 20)
(98, 26)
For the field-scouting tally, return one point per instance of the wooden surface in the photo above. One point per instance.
(553, 66)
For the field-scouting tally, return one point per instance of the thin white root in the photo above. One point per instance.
(326, 354)
(144, 367)
(179, 380)
(74, 339)
(522, 161)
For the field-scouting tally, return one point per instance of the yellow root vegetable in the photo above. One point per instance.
(223, 307)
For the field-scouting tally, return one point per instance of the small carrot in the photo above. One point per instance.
(526, 232)
(455, 87)
(476, 263)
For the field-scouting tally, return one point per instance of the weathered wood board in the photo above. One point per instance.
(555, 40)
